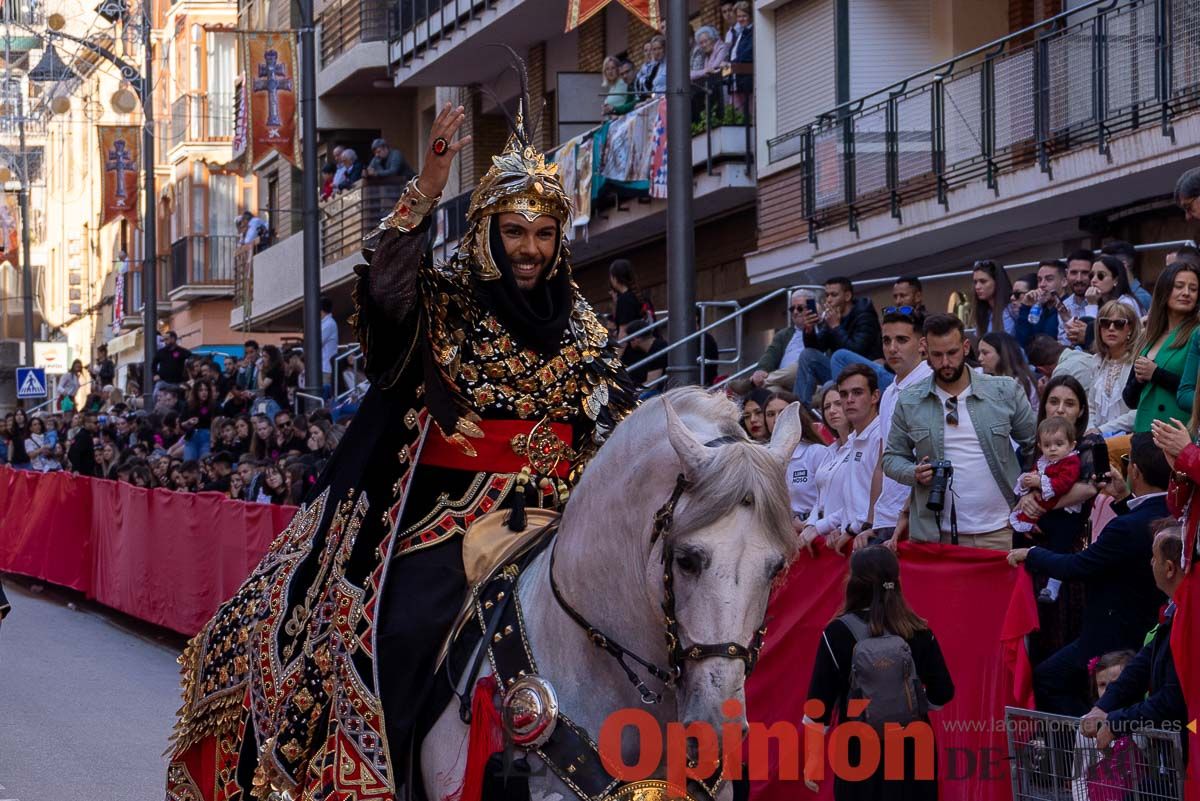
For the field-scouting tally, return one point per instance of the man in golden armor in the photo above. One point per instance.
(491, 378)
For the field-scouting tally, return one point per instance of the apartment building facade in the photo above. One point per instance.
(357, 103)
(385, 68)
(917, 137)
(447, 42)
(201, 192)
(73, 256)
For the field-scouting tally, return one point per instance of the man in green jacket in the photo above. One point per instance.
(970, 420)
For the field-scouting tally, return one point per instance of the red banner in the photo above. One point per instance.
(979, 609)
(272, 81)
(169, 558)
(120, 157)
(580, 11)
(10, 229)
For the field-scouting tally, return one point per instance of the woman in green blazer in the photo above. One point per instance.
(1156, 374)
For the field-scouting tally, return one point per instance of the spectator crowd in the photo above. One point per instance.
(218, 423)
(719, 64)
(1057, 423)
(344, 169)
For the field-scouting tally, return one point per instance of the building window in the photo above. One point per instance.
(222, 205)
(222, 69)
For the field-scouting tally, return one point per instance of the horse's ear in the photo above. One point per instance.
(787, 434)
(690, 450)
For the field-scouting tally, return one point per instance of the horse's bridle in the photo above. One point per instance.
(678, 656)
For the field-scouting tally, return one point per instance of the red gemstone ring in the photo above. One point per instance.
(440, 146)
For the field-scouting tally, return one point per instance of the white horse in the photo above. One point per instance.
(730, 538)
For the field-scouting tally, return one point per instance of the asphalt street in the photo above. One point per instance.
(87, 701)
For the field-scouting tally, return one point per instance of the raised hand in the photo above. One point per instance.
(1143, 369)
(442, 149)
(1171, 437)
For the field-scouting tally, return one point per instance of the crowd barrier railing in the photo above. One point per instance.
(1051, 760)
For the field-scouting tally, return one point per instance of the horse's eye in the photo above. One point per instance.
(748, 500)
(689, 563)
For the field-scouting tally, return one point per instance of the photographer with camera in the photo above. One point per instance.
(951, 441)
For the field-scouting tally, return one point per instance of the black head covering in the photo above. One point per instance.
(536, 318)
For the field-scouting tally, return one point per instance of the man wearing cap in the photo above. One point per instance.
(387, 162)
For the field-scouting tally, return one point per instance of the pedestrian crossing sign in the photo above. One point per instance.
(31, 382)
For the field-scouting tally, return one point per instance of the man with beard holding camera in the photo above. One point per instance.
(951, 441)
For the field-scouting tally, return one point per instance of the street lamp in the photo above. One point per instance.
(21, 175)
(142, 84)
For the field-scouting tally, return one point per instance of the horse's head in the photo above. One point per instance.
(730, 538)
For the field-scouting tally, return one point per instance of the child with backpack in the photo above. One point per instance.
(877, 649)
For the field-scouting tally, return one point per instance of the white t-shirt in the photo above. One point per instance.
(802, 472)
(857, 473)
(893, 494)
(845, 501)
(978, 501)
(825, 514)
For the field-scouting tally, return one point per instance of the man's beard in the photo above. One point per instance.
(1081, 287)
(527, 279)
(949, 375)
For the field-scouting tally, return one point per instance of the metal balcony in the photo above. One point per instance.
(1025, 100)
(346, 23)
(202, 267)
(622, 210)
(350, 215)
(437, 42)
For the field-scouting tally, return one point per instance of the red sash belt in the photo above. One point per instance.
(494, 452)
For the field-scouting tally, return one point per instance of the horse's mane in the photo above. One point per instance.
(738, 469)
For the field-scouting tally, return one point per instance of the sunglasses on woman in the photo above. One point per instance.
(1115, 323)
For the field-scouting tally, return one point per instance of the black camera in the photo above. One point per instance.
(942, 471)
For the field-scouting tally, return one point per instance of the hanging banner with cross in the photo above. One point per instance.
(272, 85)
(10, 229)
(120, 159)
(579, 11)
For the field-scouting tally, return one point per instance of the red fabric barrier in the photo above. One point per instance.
(979, 609)
(45, 527)
(169, 558)
(1185, 650)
